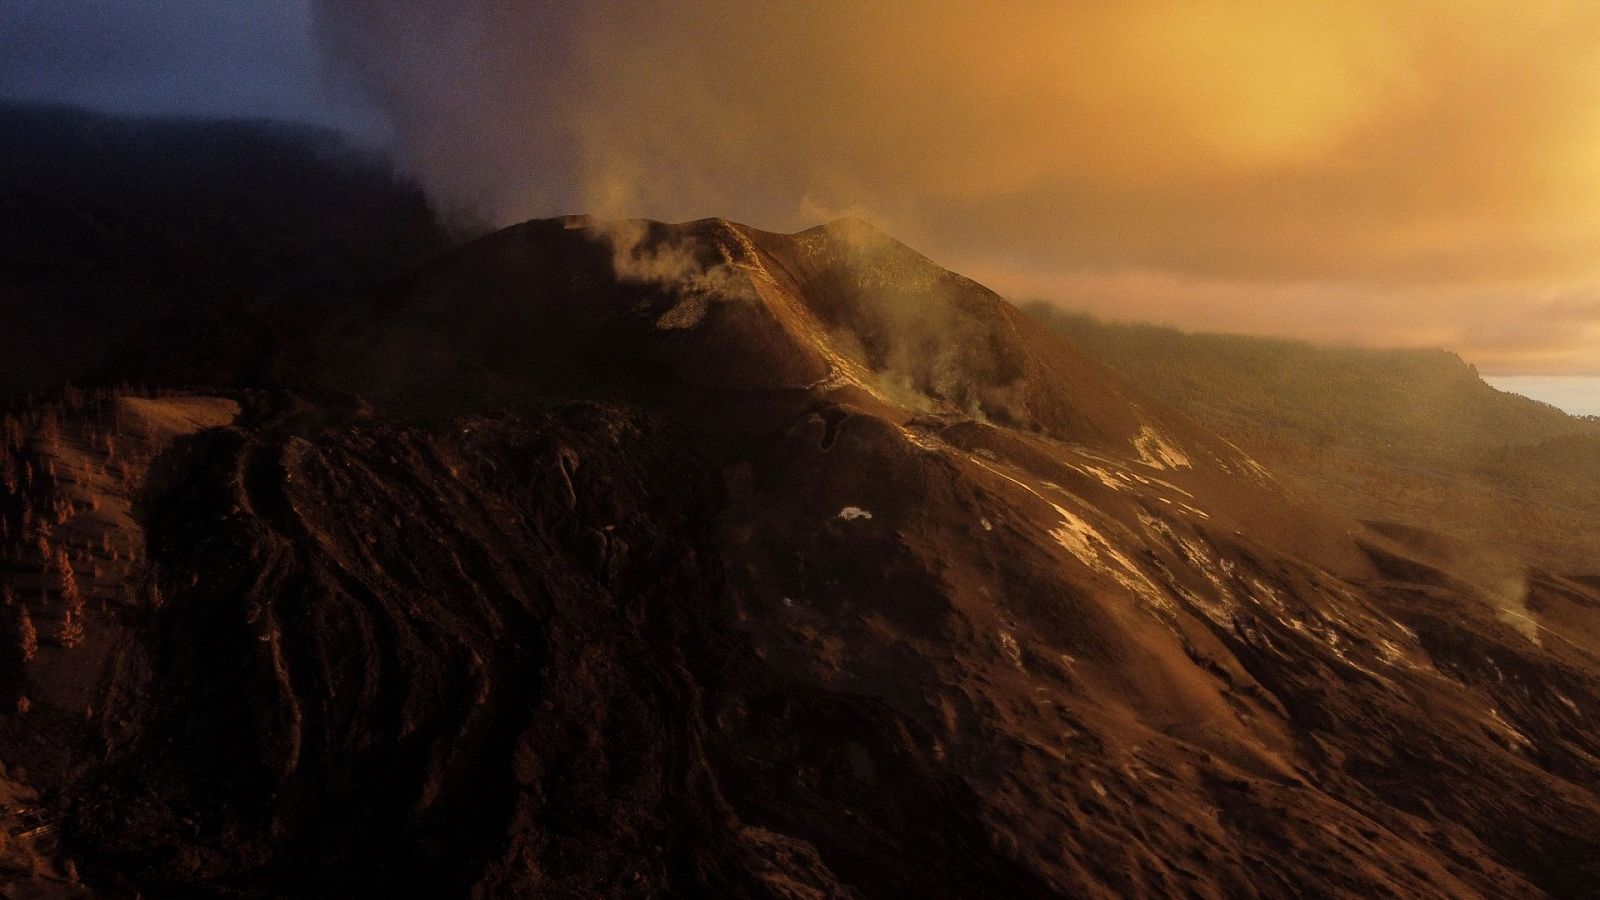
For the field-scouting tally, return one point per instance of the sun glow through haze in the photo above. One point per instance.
(1425, 172)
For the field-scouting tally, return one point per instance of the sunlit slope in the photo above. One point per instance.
(1405, 402)
(740, 330)
(1408, 435)
(633, 559)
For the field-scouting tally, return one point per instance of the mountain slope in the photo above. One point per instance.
(841, 577)
(1411, 401)
(1396, 435)
(740, 330)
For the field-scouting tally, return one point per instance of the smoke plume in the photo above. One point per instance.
(1306, 150)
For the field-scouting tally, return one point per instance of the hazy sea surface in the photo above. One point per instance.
(1577, 394)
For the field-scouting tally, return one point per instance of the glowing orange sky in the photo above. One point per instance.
(1393, 173)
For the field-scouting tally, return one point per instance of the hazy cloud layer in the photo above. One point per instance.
(1365, 170)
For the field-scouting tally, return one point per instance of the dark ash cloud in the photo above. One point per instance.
(241, 58)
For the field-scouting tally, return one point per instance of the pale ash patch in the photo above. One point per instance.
(686, 314)
(1106, 478)
(1219, 604)
(1077, 536)
(1085, 543)
(923, 441)
(1567, 701)
(852, 513)
(1251, 467)
(1013, 650)
(1154, 450)
(1516, 736)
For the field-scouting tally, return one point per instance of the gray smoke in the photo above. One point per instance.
(1297, 167)
(476, 92)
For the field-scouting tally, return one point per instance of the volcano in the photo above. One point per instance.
(625, 559)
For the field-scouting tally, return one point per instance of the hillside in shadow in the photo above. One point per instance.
(183, 234)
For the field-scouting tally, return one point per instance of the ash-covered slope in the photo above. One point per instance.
(843, 579)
